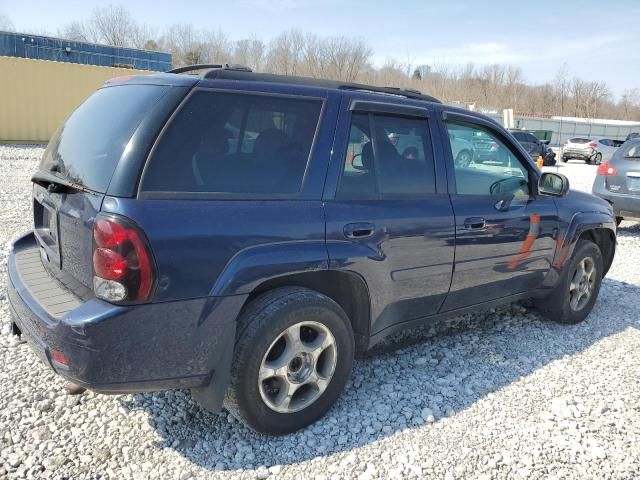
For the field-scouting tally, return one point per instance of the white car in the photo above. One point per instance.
(462, 150)
(593, 150)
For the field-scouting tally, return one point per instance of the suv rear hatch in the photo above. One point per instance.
(75, 173)
(626, 165)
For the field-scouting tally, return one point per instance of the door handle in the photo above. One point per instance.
(358, 230)
(474, 223)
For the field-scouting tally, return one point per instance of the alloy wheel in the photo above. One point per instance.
(297, 367)
(582, 284)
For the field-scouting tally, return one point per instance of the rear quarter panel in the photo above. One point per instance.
(195, 241)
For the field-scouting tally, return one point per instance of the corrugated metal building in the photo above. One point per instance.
(48, 48)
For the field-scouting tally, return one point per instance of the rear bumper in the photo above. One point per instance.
(624, 205)
(579, 154)
(122, 349)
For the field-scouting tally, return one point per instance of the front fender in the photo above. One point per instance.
(566, 242)
(255, 265)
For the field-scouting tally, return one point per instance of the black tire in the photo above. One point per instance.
(597, 159)
(564, 159)
(464, 158)
(556, 306)
(619, 221)
(260, 325)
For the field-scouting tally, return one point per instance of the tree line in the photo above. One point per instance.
(293, 52)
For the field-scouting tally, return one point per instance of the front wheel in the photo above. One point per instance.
(576, 293)
(292, 359)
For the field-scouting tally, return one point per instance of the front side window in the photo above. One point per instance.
(483, 165)
(387, 156)
(235, 143)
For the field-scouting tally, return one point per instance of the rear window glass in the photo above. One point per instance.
(580, 140)
(235, 143)
(631, 151)
(87, 148)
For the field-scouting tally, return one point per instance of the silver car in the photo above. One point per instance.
(618, 181)
(592, 150)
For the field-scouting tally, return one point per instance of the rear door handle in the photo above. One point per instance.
(474, 223)
(358, 230)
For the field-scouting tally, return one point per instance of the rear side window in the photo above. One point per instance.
(87, 148)
(387, 156)
(580, 140)
(235, 143)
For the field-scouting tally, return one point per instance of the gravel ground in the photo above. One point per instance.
(501, 394)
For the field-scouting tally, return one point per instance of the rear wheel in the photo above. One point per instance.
(291, 362)
(463, 159)
(619, 221)
(575, 294)
(597, 159)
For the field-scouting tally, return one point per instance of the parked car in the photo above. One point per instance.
(618, 181)
(461, 149)
(169, 252)
(632, 136)
(535, 147)
(591, 150)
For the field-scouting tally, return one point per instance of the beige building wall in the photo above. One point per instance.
(37, 95)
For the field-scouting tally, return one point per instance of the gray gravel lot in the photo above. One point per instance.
(501, 394)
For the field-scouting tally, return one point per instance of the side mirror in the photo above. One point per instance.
(553, 184)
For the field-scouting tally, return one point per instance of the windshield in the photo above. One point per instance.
(88, 146)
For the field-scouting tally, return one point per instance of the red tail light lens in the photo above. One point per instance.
(593, 145)
(607, 169)
(122, 261)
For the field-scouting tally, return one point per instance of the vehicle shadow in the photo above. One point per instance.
(445, 367)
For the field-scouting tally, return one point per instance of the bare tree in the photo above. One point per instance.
(293, 52)
(250, 53)
(184, 43)
(629, 104)
(114, 25)
(286, 53)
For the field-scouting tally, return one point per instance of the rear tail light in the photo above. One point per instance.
(122, 262)
(593, 145)
(607, 170)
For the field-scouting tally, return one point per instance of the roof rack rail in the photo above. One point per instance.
(401, 92)
(240, 72)
(209, 66)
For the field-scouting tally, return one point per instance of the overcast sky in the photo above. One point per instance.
(597, 40)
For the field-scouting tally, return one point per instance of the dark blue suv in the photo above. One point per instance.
(243, 235)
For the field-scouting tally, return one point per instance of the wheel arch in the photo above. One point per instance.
(595, 227)
(347, 289)
(605, 239)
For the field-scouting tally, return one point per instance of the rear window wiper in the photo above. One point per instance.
(632, 156)
(55, 184)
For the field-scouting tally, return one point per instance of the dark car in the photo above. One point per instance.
(618, 181)
(209, 229)
(535, 147)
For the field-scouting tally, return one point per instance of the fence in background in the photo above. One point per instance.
(23, 45)
(37, 95)
(565, 129)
